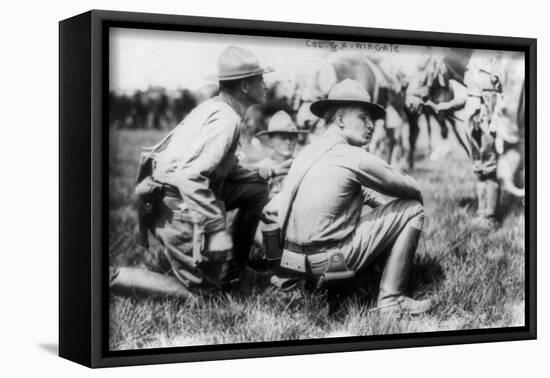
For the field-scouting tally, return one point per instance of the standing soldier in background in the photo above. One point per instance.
(485, 129)
(195, 179)
(325, 235)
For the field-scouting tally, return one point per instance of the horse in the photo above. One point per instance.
(508, 122)
(431, 82)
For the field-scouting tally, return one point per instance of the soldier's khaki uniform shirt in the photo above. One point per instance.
(329, 202)
(200, 162)
(201, 157)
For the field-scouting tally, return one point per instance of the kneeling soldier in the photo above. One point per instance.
(195, 179)
(324, 233)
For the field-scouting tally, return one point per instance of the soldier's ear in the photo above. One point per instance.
(244, 87)
(339, 118)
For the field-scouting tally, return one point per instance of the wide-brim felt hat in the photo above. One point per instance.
(345, 93)
(281, 123)
(238, 63)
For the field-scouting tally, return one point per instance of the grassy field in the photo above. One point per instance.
(475, 275)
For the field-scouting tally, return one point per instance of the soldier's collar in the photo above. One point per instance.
(239, 108)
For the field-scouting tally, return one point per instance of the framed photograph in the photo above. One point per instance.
(236, 188)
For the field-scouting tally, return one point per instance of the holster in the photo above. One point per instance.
(337, 272)
(149, 194)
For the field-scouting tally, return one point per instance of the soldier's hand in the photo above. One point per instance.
(282, 169)
(219, 241)
(271, 210)
(268, 218)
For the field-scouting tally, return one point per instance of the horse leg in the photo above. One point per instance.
(444, 129)
(399, 149)
(429, 130)
(386, 143)
(508, 166)
(390, 133)
(461, 129)
(442, 148)
(414, 130)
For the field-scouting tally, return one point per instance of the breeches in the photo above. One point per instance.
(174, 230)
(375, 232)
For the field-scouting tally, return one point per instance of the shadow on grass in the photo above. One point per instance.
(510, 205)
(469, 203)
(425, 273)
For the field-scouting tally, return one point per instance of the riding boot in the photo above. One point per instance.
(134, 281)
(492, 193)
(481, 198)
(391, 297)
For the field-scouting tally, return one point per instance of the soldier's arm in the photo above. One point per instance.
(248, 174)
(257, 173)
(193, 176)
(376, 174)
(371, 198)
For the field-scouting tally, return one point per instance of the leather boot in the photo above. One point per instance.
(131, 281)
(481, 198)
(492, 194)
(391, 297)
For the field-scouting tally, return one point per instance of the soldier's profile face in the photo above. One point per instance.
(283, 144)
(358, 125)
(257, 90)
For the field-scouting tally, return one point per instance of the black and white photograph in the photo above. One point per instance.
(265, 189)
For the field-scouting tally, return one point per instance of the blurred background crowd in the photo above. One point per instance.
(409, 83)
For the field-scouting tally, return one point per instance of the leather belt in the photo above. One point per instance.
(310, 248)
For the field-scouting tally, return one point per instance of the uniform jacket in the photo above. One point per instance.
(200, 157)
(331, 196)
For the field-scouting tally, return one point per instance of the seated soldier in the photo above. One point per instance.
(283, 135)
(324, 193)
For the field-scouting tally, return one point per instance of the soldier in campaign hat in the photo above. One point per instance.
(282, 136)
(201, 178)
(321, 213)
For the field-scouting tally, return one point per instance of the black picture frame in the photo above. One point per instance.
(83, 260)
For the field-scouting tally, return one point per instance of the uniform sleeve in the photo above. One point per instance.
(372, 172)
(216, 138)
(371, 198)
(248, 174)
